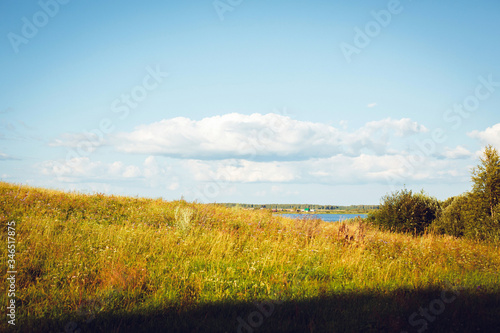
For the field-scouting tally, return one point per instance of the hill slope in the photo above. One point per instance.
(101, 263)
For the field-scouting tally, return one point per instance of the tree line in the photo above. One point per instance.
(301, 206)
(474, 214)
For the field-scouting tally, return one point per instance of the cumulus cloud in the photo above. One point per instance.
(259, 137)
(459, 152)
(365, 168)
(232, 135)
(491, 135)
(242, 171)
(375, 135)
(220, 175)
(401, 127)
(85, 170)
(84, 167)
(339, 169)
(271, 148)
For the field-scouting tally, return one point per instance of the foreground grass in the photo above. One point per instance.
(116, 264)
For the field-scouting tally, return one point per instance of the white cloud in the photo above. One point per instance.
(242, 171)
(491, 135)
(259, 137)
(234, 149)
(401, 127)
(232, 135)
(174, 186)
(5, 157)
(371, 105)
(375, 136)
(151, 167)
(210, 179)
(339, 169)
(79, 167)
(132, 171)
(85, 142)
(160, 174)
(84, 168)
(457, 152)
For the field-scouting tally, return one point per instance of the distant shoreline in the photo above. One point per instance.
(314, 213)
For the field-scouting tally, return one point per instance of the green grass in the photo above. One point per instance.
(99, 263)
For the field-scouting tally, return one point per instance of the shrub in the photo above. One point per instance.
(475, 214)
(466, 216)
(456, 211)
(404, 211)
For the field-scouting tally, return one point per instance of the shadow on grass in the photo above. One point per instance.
(451, 310)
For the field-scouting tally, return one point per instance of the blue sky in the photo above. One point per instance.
(248, 101)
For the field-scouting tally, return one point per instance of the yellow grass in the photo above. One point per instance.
(89, 259)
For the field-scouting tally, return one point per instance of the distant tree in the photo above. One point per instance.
(486, 179)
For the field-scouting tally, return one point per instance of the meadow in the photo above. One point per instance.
(98, 263)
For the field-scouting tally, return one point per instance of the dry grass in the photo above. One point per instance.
(143, 255)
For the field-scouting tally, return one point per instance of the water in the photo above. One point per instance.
(325, 217)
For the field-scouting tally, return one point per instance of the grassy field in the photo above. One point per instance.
(96, 263)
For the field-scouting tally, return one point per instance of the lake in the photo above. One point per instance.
(325, 217)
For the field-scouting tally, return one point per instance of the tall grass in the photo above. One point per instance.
(95, 260)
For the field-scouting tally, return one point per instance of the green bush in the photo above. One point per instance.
(466, 216)
(456, 211)
(404, 211)
(475, 214)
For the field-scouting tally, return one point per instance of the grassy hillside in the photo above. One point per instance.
(99, 263)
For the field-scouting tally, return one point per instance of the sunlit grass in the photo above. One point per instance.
(97, 254)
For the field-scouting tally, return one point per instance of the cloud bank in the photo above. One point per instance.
(271, 148)
(269, 137)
